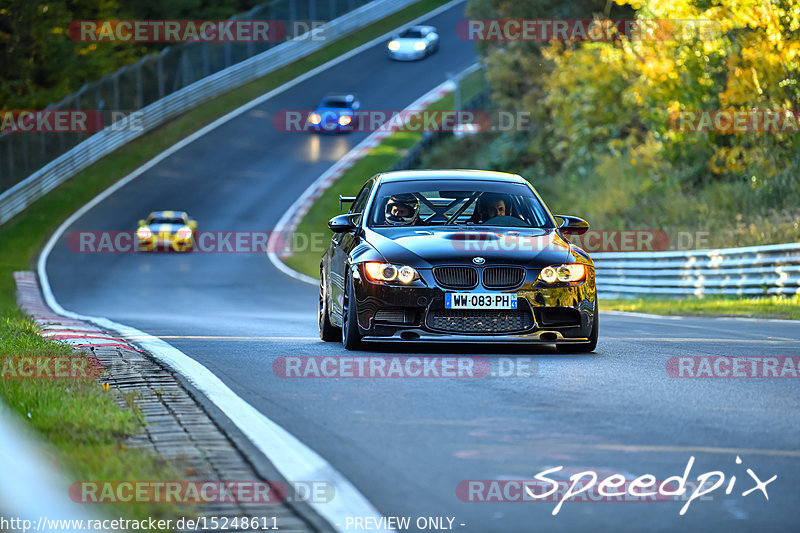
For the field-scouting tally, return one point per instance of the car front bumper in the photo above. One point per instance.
(165, 244)
(407, 56)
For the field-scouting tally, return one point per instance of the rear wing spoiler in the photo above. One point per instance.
(345, 200)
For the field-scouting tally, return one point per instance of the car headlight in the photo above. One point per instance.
(344, 120)
(563, 273)
(389, 272)
(185, 233)
(144, 233)
(419, 46)
(394, 46)
(314, 119)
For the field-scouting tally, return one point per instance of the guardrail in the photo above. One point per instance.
(757, 270)
(18, 197)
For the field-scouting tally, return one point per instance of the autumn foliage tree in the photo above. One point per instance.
(603, 109)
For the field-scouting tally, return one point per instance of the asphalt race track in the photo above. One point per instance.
(407, 443)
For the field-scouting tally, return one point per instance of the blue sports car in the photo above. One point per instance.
(335, 113)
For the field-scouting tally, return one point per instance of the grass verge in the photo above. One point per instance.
(379, 159)
(785, 307)
(80, 419)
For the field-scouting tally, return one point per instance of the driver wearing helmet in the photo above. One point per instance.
(402, 210)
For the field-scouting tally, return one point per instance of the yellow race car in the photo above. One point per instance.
(165, 231)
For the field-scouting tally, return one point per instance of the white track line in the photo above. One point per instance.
(293, 459)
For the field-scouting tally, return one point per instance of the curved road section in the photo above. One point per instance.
(430, 447)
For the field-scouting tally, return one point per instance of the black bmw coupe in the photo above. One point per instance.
(456, 256)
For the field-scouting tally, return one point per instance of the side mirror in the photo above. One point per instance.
(142, 223)
(192, 224)
(342, 223)
(573, 225)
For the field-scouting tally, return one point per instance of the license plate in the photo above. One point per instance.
(478, 300)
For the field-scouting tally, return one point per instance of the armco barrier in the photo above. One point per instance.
(18, 197)
(757, 270)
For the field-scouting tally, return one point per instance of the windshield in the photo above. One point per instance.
(411, 34)
(466, 203)
(334, 102)
(167, 221)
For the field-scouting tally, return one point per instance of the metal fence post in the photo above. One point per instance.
(187, 75)
(160, 75)
(11, 158)
(139, 88)
(25, 162)
(206, 60)
(115, 80)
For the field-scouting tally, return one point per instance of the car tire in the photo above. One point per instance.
(327, 331)
(351, 337)
(584, 347)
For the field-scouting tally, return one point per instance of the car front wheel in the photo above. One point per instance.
(351, 337)
(327, 331)
(584, 347)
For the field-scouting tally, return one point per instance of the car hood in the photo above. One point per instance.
(334, 111)
(426, 247)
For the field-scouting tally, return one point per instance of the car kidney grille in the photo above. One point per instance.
(464, 321)
(456, 277)
(502, 277)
